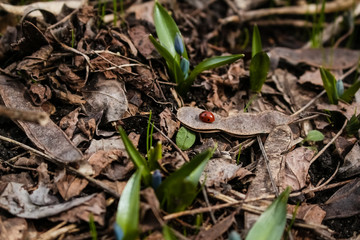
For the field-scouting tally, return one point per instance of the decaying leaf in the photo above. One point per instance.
(50, 137)
(329, 58)
(108, 96)
(13, 228)
(345, 202)
(297, 163)
(310, 213)
(68, 185)
(218, 171)
(351, 165)
(278, 142)
(241, 124)
(15, 199)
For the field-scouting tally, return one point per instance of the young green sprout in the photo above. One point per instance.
(171, 47)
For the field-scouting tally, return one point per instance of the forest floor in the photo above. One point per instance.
(91, 72)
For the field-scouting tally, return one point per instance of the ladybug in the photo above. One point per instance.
(207, 117)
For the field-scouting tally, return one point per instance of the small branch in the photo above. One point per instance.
(70, 169)
(41, 118)
(328, 145)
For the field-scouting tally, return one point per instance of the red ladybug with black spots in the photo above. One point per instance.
(207, 116)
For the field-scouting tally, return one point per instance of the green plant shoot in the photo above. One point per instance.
(179, 189)
(127, 216)
(136, 157)
(260, 63)
(171, 47)
(271, 224)
(92, 227)
(335, 89)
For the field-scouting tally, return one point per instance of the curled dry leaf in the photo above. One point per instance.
(241, 124)
(50, 137)
(16, 200)
(218, 171)
(108, 96)
(297, 163)
(351, 166)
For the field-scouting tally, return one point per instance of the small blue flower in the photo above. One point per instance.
(340, 87)
(156, 179)
(178, 43)
(184, 65)
(119, 234)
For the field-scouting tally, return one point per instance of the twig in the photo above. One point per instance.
(59, 163)
(328, 145)
(41, 118)
(200, 210)
(172, 143)
(308, 104)
(266, 159)
(208, 204)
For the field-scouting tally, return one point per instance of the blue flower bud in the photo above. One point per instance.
(178, 43)
(184, 65)
(234, 236)
(156, 179)
(119, 234)
(340, 87)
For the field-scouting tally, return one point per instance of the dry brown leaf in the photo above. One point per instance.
(297, 163)
(13, 228)
(278, 142)
(218, 229)
(218, 171)
(108, 96)
(15, 199)
(241, 124)
(68, 185)
(140, 36)
(96, 206)
(167, 125)
(310, 213)
(68, 122)
(330, 58)
(348, 110)
(351, 165)
(50, 137)
(345, 202)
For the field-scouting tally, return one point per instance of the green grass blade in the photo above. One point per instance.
(259, 68)
(173, 65)
(210, 63)
(256, 46)
(162, 50)
(329, 82)
(154, 155)
(136, 157)
(92, 226)
(351, 91)
(179, 189)
(127, 216)
(166, 29)
(168, 234)
(271, 224)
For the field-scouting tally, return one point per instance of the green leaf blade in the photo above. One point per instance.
(259, 67)
(315, 136)
(349, 93)
(185, 138)
(136, 157)
(166, 29)
(207, 64)
(127, 216)
(256, 46)
(329, 83)
(271, 224)
(179, 189)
